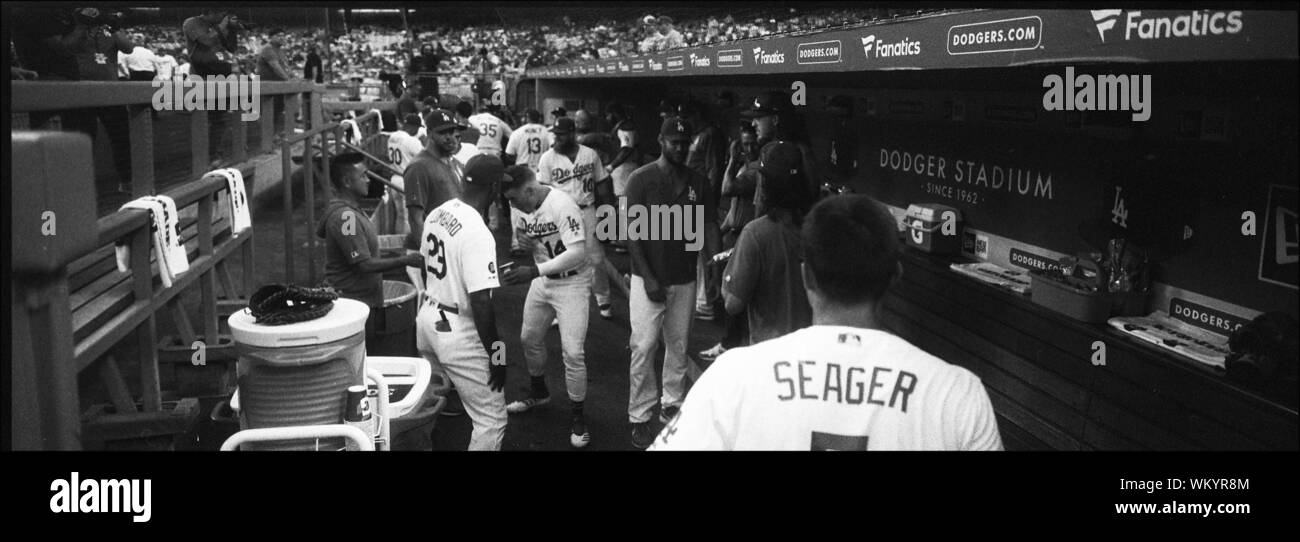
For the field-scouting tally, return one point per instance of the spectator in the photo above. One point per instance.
(165, 65)
(211, 39)
(312, 71)
(183, 68)
(271, 63)
(671, 38)
(762, 277)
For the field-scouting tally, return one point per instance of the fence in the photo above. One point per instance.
(77, 307)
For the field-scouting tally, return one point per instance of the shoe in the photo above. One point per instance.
(606, 311)
(555, 322)
(706, 316)
(642, 435)
(712, 353)
(579, 437)
(524, 405)
(667, 414)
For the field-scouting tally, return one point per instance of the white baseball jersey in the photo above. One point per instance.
(528, 143)
(833, 388)
(467, 151)
(492, 131)
(576, 178)
(554, 226)
(402, 148)
(459, 258)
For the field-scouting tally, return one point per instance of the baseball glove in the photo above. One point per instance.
(279, 304)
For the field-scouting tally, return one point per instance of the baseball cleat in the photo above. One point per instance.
(526, 404)
(606, 311)
(667, 414)
(579, 437)
(642, 435)
(712, 353)
(706, 315)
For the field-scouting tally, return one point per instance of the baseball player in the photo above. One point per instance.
(843, 383)
(527, 144)
(525, 147)
(575, 169)
(559, 286)
(493, 133)
(456, 326)
(403, 146)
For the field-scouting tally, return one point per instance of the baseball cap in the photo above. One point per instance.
(441, 119)
(484, 169)
(559, 112)
(431, 101)
(780, 160)
(767, 103)
(564, 125)
(674, 127)
(411, 119)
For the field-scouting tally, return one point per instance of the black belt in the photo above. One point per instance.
(565, 274)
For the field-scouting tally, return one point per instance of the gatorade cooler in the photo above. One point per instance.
(397, 338)
(299, 374)
(924, 225)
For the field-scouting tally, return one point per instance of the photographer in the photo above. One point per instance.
(212, 39)
(78, 45)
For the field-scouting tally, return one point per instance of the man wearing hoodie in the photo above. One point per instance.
(353, 265)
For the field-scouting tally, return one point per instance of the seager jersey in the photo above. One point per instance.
(833, 388)
(459, 258)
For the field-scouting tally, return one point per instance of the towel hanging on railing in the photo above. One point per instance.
(168, 246)
(240, 219)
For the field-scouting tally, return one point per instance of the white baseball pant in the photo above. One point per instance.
(649, 319)
(566, 299)
(459, 354)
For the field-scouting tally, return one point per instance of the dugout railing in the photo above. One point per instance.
(72, 309)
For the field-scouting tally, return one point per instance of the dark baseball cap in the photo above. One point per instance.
(559, 112)
(564, 125)
(411, 119)
(780, 160)
(676, 127)
(767, 103)
(441, 119)
(484, 169)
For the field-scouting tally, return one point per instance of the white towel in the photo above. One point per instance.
(381, 118)
(240, 219)
(354, 133)
(168, 247)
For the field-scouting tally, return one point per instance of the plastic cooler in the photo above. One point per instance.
(298, 374)
(397, 338)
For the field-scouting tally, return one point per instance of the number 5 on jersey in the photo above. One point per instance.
(831, 442)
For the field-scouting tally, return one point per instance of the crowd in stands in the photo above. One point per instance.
(367, 51)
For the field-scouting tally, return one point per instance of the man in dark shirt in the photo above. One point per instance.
(211, 40)
(662, 293)
(763, 277)
(311, 70)
(353, 265)
(435, 175)
(271, 63)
